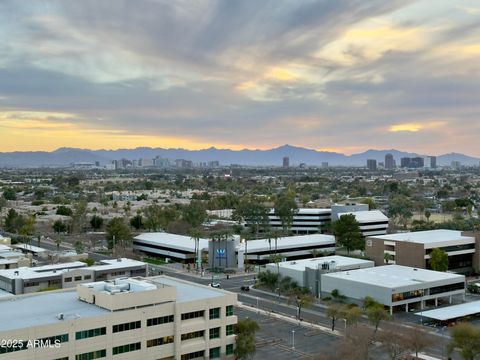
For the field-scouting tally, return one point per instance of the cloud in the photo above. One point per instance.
(323, 74)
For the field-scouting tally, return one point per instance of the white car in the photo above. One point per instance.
(215, 285)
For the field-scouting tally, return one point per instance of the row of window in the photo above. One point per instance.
(160, 320)
(126, 348)
(214, 353)
(78, 278)
(160, 341)
(92, 355)
(127, 326)
(85, 334)
(193, 335)
(193, 315)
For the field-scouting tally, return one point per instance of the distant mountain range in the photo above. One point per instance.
(297, 155)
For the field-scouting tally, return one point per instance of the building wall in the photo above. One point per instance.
(410, 254)
(374, 250)
(74, 347)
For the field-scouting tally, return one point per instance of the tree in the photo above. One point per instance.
(13, 221)
(387, 257)
(245, 330)
(118, 233)
(78, 245)
(96, 222)
(156, 217)
(466, 339)
(418, 339)
(439, 260)
(58, 241)
(3, 203)
(79, 216)
(253, 212)
(301, 298)
(352, 314)
(400, 209)
(334, 312)
(394, 342)
(63, 210)
(355, 346)
(28, 226)
(268, 279)
(194, 214)
(59, 226)
(347, 232)
(285, 208)
(376, 314)
(137, 222)
(428, 214)
(9, 194)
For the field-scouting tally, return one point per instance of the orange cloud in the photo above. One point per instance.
(414, 127)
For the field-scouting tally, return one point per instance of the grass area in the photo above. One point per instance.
(154, 261)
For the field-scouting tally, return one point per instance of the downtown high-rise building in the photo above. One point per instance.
(372, 164)
(389, 162)
(286, 161)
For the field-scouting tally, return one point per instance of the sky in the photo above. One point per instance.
(343, 75)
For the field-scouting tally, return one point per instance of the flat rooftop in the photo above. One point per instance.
(31, 248)
(428, 237)
(288, 242)
(40, 271)
(308, 211)
(452, 312)
(393, 276)
(187, 291)
(181, 242)
(367, 216)
(314, 263)
(25, 311)
(116, 264)
(21, 311)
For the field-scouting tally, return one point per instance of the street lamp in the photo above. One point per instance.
(293, 339)
(421, 307)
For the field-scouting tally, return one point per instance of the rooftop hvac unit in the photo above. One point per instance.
(60, 316)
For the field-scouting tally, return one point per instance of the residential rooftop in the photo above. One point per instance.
(393, 276)
(428, 237)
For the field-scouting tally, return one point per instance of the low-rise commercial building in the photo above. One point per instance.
(26, 280)
(395, 286)
(414, 249)
(307, 272)
(132, 318)
(371, 223)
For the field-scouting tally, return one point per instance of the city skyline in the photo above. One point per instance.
(343, 76)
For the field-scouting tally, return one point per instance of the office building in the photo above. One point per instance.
(433, 162)
(286, 162)
(412, 163)
(305, 220)
(325, 164)
(455, 165)
(389, 162)
(24, 280)
(372, 164)
(395, 286)
(307, 272)
(414, 249)
(372, 222)
(133, 318)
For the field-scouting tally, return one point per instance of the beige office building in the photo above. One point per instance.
(133, 318)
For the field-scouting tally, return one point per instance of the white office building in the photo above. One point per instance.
(133, 318)
(371, 223)
(395, 286)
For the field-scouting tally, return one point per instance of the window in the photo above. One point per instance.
(160, 320)
(215, 353)
(63, 358)
(126, 348)
(68, 279)
(160, 341)
(229, 330)
(193, 335)
(78, 278)
(229, 349)
(92, 355)
(193, 315)
(215, 333)
(127, 326)
(85, 334)
(193, 355)
(52, 340)
(87, 277)
(20, 345)
(214, 313)
(447, 288)
(229, 310)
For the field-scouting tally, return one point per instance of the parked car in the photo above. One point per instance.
(216, 285)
